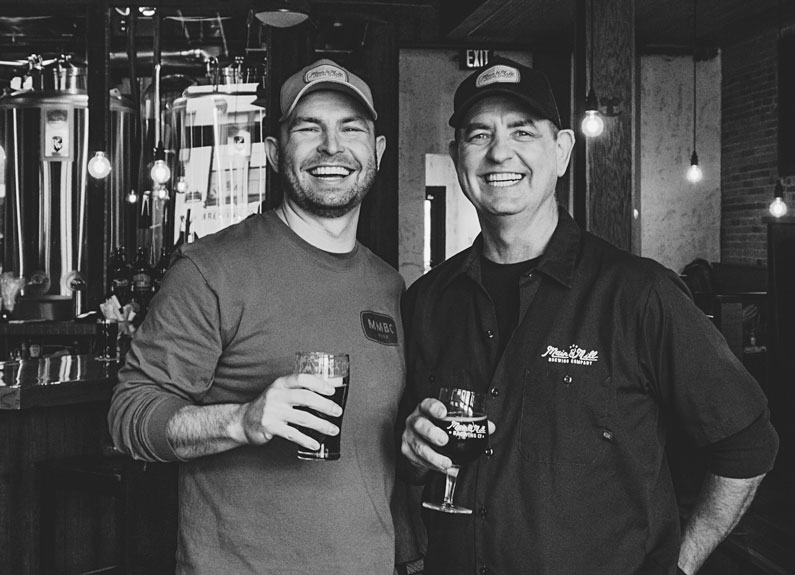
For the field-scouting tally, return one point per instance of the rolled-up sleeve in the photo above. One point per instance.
(697, 377)
(171, 363)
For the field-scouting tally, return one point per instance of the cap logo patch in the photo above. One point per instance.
(325, 72)
(498, 74)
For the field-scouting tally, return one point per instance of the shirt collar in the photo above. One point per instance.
(563, 249)
(557, 262)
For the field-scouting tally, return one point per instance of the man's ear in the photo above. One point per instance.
(563, 147)
(380, 146)
(452, 149)
(272, 153)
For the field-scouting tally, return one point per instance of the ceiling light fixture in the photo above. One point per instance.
(694, 173)
(282, 13)
(593, 124)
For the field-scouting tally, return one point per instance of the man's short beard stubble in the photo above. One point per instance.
(311, 202)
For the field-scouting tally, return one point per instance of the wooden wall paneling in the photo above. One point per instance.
(557, 67)
(781, 337)
(579, 199)
(34, 435)
(610, 164)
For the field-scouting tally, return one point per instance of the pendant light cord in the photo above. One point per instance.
(590, 14)
(694, 74)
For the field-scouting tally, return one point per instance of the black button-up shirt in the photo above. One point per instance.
(608, 351)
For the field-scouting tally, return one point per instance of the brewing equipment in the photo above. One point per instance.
(44, 132)
(220, 152)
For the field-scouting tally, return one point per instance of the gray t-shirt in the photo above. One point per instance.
(232, 311)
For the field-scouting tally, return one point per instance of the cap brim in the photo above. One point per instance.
(533, 104)
(336, 86)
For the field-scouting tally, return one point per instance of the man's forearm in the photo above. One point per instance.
(198, 430)
(720, 506)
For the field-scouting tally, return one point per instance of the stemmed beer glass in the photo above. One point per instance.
(468, 437)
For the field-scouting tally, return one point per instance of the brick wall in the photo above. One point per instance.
(749, 128)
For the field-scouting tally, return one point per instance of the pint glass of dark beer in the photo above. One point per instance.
(333, 367)
(467, 437)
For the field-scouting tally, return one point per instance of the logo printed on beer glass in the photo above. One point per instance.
(466, 430)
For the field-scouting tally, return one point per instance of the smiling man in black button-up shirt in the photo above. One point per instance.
(591, 356)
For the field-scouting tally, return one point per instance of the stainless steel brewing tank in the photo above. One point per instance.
(220, 158)
(45, 137)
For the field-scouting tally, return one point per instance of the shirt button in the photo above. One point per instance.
(494, 392)
(431, 378)
(489, 452)
(489, 334)
(484, 571)
(482, 511)
(567, 379)
(607, 434)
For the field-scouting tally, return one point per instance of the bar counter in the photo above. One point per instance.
(50, 409)
(57, 381)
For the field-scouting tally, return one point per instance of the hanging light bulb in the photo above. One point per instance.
(694, 173)
(161, 192)
(132, 197)
(593, 124)
(160, 171)
(99, 166)
(778, 207)
(181, 185)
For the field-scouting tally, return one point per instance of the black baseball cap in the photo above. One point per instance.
(504, 76)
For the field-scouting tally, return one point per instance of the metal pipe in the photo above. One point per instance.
(83, 183)
(156, 75)
(18, 194)
(219, 179)
(194, 56)
(66, 210)
(45, 217)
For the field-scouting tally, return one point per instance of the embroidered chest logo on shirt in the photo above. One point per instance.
(379, 328)
(574, 355)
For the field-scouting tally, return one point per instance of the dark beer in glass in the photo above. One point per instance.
(334, 368)
(468, 437)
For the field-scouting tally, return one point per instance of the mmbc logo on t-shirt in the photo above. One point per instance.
(379, 328)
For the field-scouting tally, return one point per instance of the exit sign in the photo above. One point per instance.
(474, 58)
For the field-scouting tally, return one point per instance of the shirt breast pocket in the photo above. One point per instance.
(567, 414)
